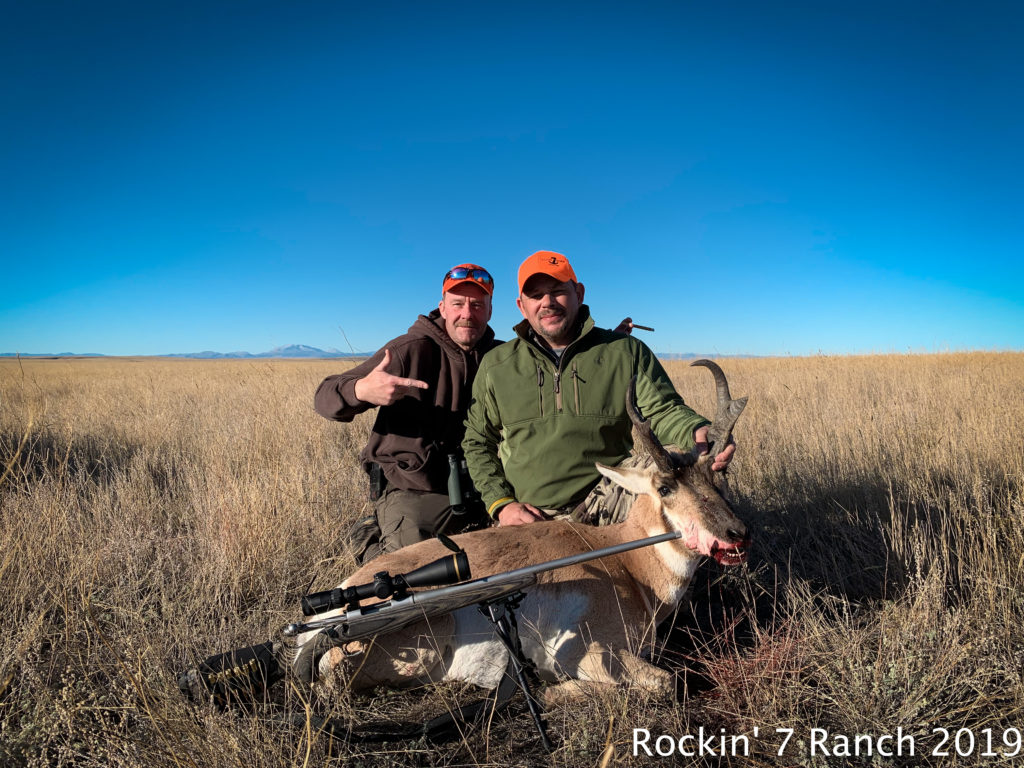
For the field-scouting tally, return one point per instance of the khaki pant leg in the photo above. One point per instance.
(406, 517)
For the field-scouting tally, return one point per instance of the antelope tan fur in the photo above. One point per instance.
(583, 625)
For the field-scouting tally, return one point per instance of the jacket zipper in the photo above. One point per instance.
(540, 387)
(557, 378)
(576, 385)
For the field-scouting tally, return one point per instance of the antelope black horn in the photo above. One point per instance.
(728, 410)
(649, 443)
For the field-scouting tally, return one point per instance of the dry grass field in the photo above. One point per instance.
(155, 512)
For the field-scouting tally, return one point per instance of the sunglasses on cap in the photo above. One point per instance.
(481, 276)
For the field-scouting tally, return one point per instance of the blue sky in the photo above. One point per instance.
(747, 177)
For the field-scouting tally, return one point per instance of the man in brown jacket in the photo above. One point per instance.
(421, 383)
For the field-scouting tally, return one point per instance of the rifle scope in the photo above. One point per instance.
(449, 569)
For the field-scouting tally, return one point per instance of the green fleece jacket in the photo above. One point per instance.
(535, 428)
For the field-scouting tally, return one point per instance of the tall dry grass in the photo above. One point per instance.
(154, 512)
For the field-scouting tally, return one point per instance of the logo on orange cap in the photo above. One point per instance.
(546, 263)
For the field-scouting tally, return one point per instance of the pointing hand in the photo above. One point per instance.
(382, 388)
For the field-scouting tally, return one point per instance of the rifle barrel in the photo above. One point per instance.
(583, 557)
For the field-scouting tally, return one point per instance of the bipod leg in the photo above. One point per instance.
(502, 614)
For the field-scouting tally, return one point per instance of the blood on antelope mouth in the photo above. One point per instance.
(729, 555)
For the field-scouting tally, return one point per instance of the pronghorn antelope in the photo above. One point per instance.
(581, 625)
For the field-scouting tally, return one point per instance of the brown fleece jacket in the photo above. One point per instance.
(412, 437)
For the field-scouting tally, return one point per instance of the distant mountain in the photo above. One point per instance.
(304, 351)
(678, 355)
(288, 351)
(51, 354)
(695, 356)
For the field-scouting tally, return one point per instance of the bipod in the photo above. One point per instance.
(502, 614)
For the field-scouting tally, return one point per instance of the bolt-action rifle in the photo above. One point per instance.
(255, 668)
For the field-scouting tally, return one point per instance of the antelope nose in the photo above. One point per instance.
(737, 537)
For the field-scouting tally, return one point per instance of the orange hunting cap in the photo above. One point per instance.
(468, 273)
(546, 263)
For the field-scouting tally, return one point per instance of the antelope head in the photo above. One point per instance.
(686, 493)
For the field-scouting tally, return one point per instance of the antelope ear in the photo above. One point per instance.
(634, 480)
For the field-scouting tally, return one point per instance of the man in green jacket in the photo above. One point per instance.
(550, 403)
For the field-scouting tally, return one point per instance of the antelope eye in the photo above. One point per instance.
(664, 490)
